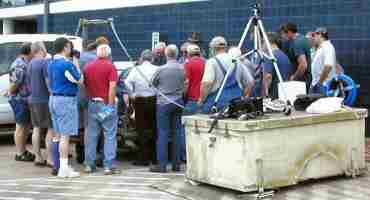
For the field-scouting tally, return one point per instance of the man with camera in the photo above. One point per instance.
(64, 77)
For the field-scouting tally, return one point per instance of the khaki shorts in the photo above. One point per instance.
(40, 115)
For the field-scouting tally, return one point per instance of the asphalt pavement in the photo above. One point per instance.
(24, 181)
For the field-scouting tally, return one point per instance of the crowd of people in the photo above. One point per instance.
(67, 91)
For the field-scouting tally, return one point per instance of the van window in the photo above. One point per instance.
(9, 52)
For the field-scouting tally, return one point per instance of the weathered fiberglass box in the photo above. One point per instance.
(275, 151)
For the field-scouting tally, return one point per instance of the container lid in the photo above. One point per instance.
(273, 121)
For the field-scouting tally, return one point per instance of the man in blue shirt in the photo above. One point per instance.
(283, 63)
(64, 79)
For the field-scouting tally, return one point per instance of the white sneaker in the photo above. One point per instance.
(68, 173)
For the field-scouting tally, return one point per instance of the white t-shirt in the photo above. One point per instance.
(136, 83)
(325, 55)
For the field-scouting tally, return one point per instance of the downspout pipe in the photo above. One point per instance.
(46, 16)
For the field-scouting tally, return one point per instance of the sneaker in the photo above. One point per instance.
(88, 169)
(25, 157)
(54, 172)
(111, 171)
(68, 173)
(157, 169)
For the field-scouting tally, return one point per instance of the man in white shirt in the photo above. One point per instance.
(324, 62)
(145, 107)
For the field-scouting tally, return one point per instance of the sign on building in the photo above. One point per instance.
(155, 39)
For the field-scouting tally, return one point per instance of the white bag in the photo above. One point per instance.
(325, 105)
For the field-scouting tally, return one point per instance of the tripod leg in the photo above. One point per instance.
(256, 36)
(267, 42)
(246, 30)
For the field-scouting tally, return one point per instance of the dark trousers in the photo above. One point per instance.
(169, 124)
(146, 127)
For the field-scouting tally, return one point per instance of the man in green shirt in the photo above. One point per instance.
(299, 53)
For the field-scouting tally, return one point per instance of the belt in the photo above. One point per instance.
(64, 95)
(97, 99)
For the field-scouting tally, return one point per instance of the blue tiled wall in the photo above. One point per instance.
(348, 22)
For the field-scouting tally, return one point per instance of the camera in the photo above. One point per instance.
(75, 54)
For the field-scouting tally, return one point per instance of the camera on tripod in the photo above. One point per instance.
(256, 8)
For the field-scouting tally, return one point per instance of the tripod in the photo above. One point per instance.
(259, 38)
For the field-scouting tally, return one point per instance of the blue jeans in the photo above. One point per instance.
(318, 89)
(191, 108)
(168, 121)
(94, 127)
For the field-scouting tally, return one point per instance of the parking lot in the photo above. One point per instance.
(23, 181)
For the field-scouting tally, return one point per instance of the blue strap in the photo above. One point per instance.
(221, 66)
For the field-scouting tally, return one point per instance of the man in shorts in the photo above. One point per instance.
(64, 78)
(18, 93)
(38, 102)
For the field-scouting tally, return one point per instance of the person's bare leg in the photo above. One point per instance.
(19, 139)
(48, 144)
(65, 170)
(36, 144)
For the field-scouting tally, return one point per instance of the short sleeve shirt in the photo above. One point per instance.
(137, 84)
(37, 77)
(17, 76)
(300, 46)
(98, 76)
(194, 70)
(324, 56)
(59, 84)
(285, 69)
(214, 75)
(169, 79)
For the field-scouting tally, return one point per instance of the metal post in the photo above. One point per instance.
(84, 29)
(46, 16)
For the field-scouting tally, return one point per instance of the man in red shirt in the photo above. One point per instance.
(194, 70)
(100, 81)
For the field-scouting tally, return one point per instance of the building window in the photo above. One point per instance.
(11, 3)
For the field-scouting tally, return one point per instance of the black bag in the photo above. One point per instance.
(303, 101)
(239, 107)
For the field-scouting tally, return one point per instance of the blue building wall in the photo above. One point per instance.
(347, 20)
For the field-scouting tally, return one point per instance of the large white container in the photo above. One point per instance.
(276, 151)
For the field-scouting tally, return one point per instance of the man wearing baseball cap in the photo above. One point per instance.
(194, 70)
(215, 71)
(324, 62)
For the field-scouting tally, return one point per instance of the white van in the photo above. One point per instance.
(9, 48)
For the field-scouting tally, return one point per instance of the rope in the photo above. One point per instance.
(140, 72)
